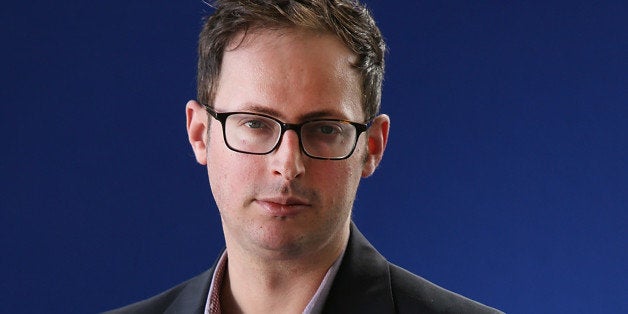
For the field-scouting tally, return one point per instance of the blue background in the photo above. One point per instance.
(505, 178)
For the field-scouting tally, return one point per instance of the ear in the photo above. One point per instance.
(196, 123)
(377, 139)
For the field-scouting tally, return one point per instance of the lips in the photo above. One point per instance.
(282, 206)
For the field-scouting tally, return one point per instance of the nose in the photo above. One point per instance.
(287, 159)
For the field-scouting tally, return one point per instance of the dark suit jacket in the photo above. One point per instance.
(365, 283)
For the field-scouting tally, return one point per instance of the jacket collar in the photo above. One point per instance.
(362, 284)
(194, 294)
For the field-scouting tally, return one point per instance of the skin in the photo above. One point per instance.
(283, 213)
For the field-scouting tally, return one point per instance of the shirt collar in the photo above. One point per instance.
(212, 306)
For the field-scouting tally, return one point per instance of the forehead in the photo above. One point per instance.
(292, 71)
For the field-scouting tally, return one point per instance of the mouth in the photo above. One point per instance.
(282, 207)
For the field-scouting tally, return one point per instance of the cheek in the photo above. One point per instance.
(226, 172)
(341, 180)
(229, 172)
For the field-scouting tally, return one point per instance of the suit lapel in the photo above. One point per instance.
(193, 297)
(362, 284)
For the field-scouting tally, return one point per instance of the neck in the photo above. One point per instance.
(254, 284)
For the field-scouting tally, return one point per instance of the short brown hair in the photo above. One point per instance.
(347, 19)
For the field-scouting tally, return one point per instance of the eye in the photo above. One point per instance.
(329, 129)
(254, 124)
(324, 128)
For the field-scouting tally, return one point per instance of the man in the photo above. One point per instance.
(287, 124)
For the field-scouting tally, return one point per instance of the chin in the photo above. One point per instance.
(282, 241)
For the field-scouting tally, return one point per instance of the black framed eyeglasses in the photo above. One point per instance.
(259, 134)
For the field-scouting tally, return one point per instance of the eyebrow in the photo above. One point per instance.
(255, 108)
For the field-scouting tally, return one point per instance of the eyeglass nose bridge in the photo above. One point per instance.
(286, 127)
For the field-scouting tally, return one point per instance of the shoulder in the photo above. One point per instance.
(189, 296)
(155, 304)
(367, 283)
(414, 294)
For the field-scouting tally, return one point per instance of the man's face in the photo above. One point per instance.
(284, 204)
